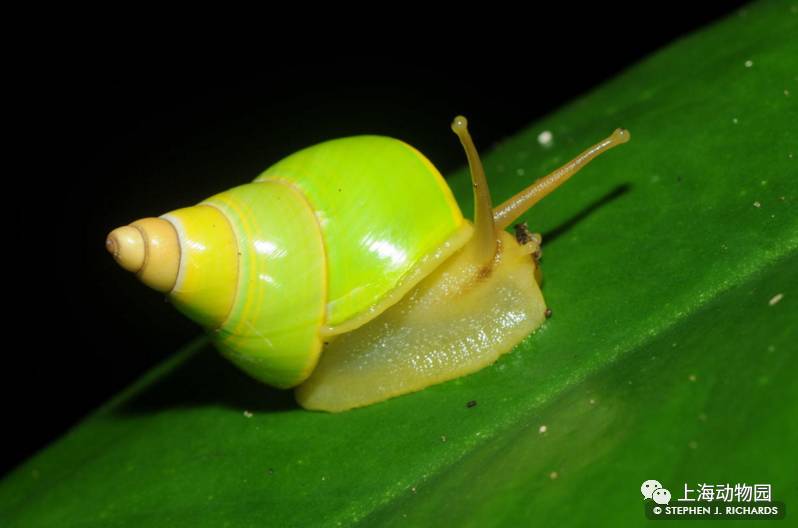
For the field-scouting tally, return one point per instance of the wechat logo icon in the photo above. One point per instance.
(652, 489)
(661, 496)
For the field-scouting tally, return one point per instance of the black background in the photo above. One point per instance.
(138, 130)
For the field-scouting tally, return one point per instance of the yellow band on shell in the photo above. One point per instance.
(208, 277)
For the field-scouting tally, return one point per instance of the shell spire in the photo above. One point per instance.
(150, 248)
(190, 254)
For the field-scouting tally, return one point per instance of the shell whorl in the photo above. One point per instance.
(206, 284)
(272, 330)
(382, 207)
(150, 248)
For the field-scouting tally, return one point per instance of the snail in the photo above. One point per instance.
(347, 270)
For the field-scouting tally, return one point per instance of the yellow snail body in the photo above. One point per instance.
(348, 271)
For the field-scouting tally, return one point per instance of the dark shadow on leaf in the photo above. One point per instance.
(205, 378)
(563, 228)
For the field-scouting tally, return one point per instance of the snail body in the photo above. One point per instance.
(347, 270)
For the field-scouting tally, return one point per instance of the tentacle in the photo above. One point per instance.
(509, 211)
(485, 239)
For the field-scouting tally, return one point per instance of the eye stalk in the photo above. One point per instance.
(506, 213)
(149, 248)
(485, 241)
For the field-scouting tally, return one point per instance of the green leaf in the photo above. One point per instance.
(668, 356)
